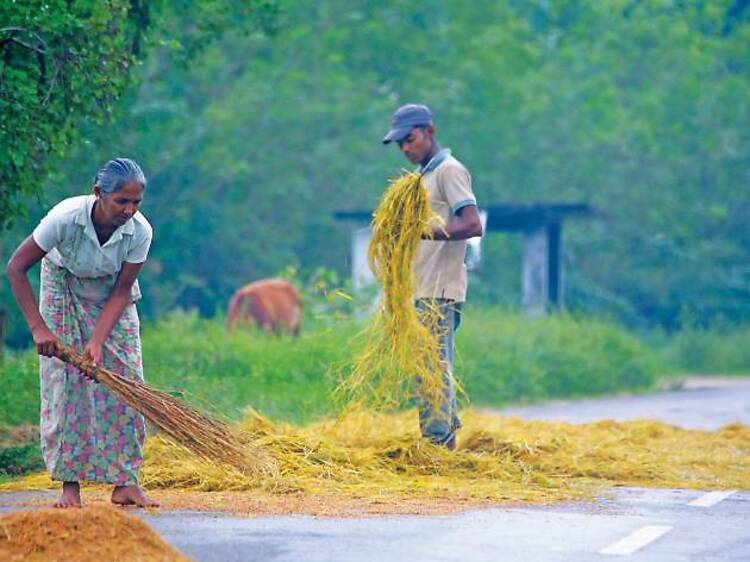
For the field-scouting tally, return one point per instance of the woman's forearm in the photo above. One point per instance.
(25, 256)
(45, 341)
(119, 298)
(117, 301)
(22, 291)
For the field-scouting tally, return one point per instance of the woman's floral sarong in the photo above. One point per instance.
(87, 434)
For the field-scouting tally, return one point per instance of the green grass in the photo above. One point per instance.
(19, 388)
(724, 352)
(20, 459)
(282, 377)
(501, 357)
(507, 357)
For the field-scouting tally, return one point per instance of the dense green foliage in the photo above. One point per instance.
(501, 358)
(251, 140)
(61, 63)
(19, 379)
(638, 107)
(66, 63)
(506, 358)
(700, 351)
(19, 459)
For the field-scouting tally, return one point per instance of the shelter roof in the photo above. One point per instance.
(511, 217)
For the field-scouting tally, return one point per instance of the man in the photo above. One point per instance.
(439, 268)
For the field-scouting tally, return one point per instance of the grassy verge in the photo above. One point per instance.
(724, 352)
(283, 377)
(501, 357)
(19, 406)
(19, 450)
(507, 357)
(19, 388)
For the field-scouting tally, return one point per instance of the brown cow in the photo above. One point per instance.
(274, 304)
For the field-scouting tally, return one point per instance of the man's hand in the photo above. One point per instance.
(466, 224)
(438, 233)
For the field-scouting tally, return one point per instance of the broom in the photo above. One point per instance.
(208, 438)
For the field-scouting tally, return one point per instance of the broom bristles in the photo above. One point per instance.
(208, 438)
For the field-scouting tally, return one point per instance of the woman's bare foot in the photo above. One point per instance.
(70, 497)
(132, 495)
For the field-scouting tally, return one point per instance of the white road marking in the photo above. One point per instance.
(636, 540)
(711, 498)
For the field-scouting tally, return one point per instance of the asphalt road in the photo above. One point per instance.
(643, 525)
(630, 523)
(702, 403)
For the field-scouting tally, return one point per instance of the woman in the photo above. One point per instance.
(92, 248)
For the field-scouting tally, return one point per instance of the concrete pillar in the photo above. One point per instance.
(535, 272)
(556, 280)
(474, 245)
(542, 269)
(361, 273)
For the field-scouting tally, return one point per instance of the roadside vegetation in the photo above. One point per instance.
(722, 351)
(502, 357)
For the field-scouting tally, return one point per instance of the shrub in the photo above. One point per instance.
(501, 357)
(707, 352)
(506, 357)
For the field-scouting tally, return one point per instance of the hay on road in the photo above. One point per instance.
(374, 456)
(91, 534)
(368, 454)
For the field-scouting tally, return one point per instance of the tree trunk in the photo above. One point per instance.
(3, 317)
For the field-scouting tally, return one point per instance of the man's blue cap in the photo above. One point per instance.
(405, 119)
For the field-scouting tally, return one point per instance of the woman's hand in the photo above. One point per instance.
(93, 353)
(46, 342)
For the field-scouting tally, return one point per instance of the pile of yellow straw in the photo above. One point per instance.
(373, 455)
(85, 535)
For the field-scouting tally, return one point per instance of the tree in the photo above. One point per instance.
(60, 63)
(63, 63)
(638, 107)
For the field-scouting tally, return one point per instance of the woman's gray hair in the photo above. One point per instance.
(115, 173)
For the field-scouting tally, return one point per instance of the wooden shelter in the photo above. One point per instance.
(540, 224)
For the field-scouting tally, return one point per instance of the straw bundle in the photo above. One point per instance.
(402, 351)
(206, 437)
